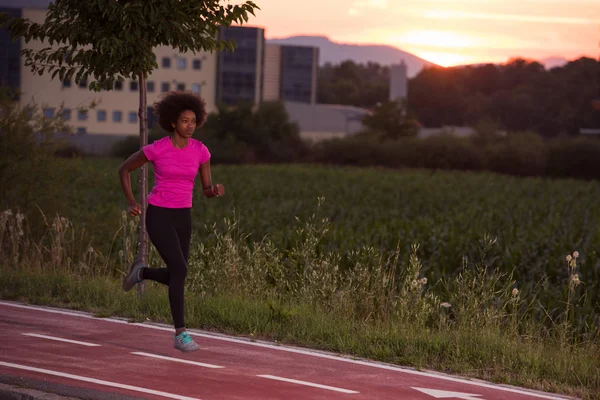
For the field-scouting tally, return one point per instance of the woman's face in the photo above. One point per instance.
(186, 124)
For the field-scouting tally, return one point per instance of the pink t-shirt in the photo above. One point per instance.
(175, 171)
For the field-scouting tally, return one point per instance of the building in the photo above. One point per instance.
(254, 72)
(116, 110)
(272, 73)
(398, 81)
(291, 73)
(240, 73)
(115, 114)
(319, 122)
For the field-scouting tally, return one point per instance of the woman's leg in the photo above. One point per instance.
(158, 218)
(161, 227)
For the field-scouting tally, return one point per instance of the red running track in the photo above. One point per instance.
(112, 355)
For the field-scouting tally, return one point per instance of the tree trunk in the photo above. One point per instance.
(143, 182)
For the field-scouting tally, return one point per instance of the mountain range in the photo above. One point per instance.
(335, 53)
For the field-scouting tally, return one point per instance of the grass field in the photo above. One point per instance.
(454, 271)
(536, 222)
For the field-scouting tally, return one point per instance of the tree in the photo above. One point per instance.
(349, 83)
(245, 133)
(392, 120)
(111, 40)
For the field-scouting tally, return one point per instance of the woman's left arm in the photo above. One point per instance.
(208, 188)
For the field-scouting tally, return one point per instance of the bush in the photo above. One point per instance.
(520, 154)
(68, 151)
(243, 134)
(447, 152)
(30, 174)
(353, 151)
(574, 158)
(436, 153)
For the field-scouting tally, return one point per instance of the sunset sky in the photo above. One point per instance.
(446, 32)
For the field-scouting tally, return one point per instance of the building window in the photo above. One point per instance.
(181, 86)
(66, 83)
(181, 63)
(197, 64)
(118, 85)
(101, 115)
(196, 88)
(132, 117)
(165, 87)
(166, 62)
(66, 114)
(81, 131)
(117, 116)
(133, 86)
(82, 115)
(49, 112)
(150, 86)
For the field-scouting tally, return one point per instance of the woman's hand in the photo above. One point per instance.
(217, 190)
(134, 209)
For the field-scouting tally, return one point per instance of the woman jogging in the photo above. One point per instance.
(176, 159)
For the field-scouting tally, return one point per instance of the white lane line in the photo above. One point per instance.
(96, 381)
(141, 353)
(372, 364)
(316, 385)
(61, 339)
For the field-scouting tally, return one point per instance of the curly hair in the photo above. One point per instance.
(170, 107)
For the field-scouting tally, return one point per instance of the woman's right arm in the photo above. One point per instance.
(135, 161)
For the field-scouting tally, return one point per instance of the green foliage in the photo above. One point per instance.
(391, 120)
(113, 40)
(242, 134)
(526, 361)
(29, 173)
(536, 221)
(444, 152)
(518, 153)
(368, 302)
(129, 145)
(360, 85)
(574, 158)
(518, 96)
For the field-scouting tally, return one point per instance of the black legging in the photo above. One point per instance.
(170, 230)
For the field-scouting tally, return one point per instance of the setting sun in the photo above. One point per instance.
(439, 47)
(446, 32)
(443, 59)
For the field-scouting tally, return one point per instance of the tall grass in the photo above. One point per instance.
(367, 302)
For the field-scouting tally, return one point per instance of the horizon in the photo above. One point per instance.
(446, 32)
(443, 32)
(541, 60)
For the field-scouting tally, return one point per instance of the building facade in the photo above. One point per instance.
(299, 69)
(254, 72)
(291, 73)
(272, 73)
(240, 72)
(398, 81)
(115, 111)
